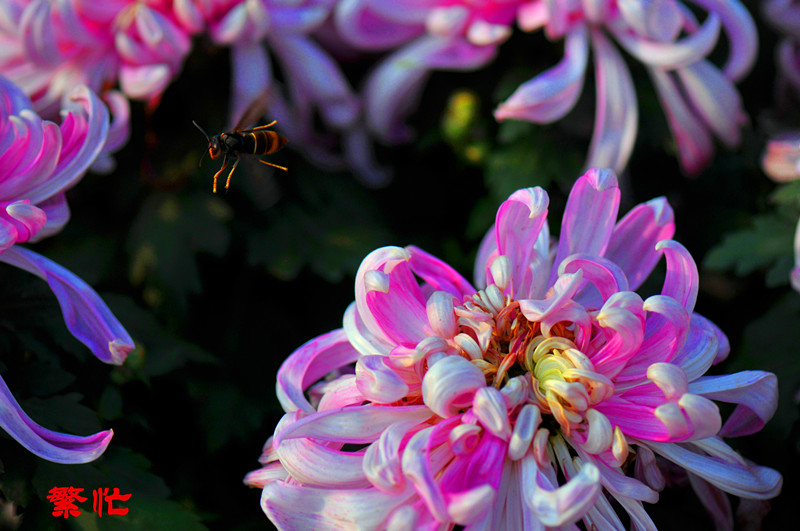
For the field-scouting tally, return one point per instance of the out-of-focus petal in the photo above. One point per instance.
(85, 313)
(742, 35)
(617, 112)
(553, 93)
(363, 28)
(393, 89)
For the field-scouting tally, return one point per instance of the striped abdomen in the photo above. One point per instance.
(261, 142)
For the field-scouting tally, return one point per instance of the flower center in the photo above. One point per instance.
(503, 343)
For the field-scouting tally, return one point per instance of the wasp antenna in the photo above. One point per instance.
(202, 131)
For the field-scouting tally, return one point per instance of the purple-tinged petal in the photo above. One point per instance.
(22, 220)
(297, 19)
(313, 463)
(525, 426)
(633, 243)
(684, 52)
(490, 409)
(519, 220)
(634, 420)
(352, 424)
(308, 364)
(617, 112)
(394, 87)
(382, 460)
(86, 315)
(38, 36)
(450, 384)
(604, 274)
(365, 29)
(618, 483)
(360, 155)
(317, 74)
(142, 81)
(189, 15)
(691, 135)
(716, 100)
(746, 481)
(698, 352)
(84, 132)
(378, 382)
(553, 93)
(589, 216)
(754, 392)
(682, 279)
(292, 506)
(660, 20)
(565, 504)
(48, 444)
(742, 35)
(437, 274)
(714, 500)
(251, 75)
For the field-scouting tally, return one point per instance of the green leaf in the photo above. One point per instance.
(766, 243)
(787, 194)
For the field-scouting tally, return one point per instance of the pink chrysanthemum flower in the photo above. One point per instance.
(699, 99)
(536, 399)
(39, 161)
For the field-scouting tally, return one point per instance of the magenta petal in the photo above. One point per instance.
(437, 274)
(363, 28)
(682, 278)
(86, 315)
(634, 420)
(617, 112)
(754, 392)
(604, 274)
(308, 364)
(84, 132)
(633, 243)
(47, 444)
(553, 93)
(519, 220)
(589, 216)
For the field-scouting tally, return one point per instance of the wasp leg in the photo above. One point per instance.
(264, 126)
(273, 165)
(222, 169)
(228, 182)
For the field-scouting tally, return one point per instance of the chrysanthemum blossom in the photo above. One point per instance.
(781, 163)
(531, 399)
(39, 161)
(699, 98)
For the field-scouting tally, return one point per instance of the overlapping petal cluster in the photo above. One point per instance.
(39, 161)
(700, 99)
(533, 399)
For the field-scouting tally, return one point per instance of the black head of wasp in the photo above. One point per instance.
(256, 141)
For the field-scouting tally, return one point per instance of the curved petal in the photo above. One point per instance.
(86, 315)
(292, 506)
(84, 132)
(694, 141)
(754, 392)
(553, 93)
(364, 28)
(617, 112)
(742, 35)
(633, 243)
(716, 100)
(395, 86)
(450, 384)
(671, 54)
(438, 274)
(752, 481)
(682, 280)
(589, 216)
(48, 444)
(519, 220)
(565, 504)
(308, 364)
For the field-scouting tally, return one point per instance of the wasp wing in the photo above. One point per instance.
(254, 112)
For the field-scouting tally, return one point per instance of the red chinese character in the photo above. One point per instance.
(99, 495)
(64, 500)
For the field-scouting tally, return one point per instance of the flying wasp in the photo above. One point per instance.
(234, 144)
